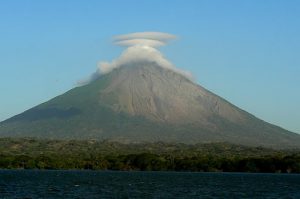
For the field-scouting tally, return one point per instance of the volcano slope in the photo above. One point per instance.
(143, 102)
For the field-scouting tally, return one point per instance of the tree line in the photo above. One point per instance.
(96, 155)
(154, 162)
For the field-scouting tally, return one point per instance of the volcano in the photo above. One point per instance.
(142, 97)
(144, 102)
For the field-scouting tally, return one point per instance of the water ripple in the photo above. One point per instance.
(108, 184)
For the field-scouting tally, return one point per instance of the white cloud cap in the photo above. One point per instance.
(141, 47)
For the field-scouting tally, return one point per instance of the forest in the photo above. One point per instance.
(27, 153)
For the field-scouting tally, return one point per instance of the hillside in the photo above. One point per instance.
(145, 102)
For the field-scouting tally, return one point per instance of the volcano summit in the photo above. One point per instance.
(142, 97)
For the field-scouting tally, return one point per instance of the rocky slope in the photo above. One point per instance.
(145, 102)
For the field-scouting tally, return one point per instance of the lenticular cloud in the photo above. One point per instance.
(158, 36)
(141, 46)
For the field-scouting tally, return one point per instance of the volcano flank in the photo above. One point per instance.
(142, 101)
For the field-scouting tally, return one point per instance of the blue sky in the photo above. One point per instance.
(248, 52)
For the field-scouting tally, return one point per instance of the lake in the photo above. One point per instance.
(114, 184)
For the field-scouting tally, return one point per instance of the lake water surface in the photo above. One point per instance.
(113, 184)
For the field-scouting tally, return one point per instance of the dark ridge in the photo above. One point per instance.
(46, 113)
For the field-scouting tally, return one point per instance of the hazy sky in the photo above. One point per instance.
(248, 52)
